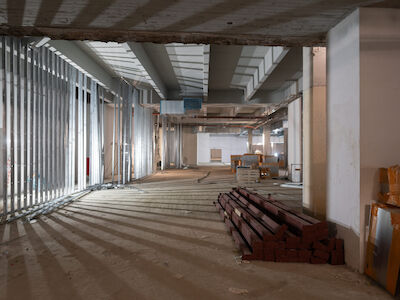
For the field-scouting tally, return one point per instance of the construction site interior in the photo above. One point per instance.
(199, 149)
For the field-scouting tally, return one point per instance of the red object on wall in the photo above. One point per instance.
(87, 166)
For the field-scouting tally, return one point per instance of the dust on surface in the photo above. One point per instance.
(159, 238)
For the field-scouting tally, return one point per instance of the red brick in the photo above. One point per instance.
(337, 257)
(319, 246)
(321, 254)
(293, 242)
(304, 255)
(279, 253)
(269, 254)
(339, 244)
(292, 253)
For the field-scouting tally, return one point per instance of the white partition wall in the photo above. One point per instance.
(362, 116)
(294, 138)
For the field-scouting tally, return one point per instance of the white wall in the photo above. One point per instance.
(228, 143)
(294, 133)
(343, 124)
(363, 109)
(379, 101)
(343, 134)
(203, 147)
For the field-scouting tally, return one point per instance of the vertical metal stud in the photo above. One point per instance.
(62, 127)
(46, 153)
(102, 136)
(41, 103)
(119, 134)
(38, 102)
(57, 125)
(113, 139)
(12, 115)
(3, 117)
(25, 125)
(32, 126)
(17, 122)
(51, 142)
(84, 130)
(80, 134)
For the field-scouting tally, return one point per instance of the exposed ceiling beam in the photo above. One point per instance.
(70, 50)
(271, 59)
(290, 90)
(104, 34)
(150, 70)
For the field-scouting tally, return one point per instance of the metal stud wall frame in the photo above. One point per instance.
(143, 139)
(172, 144)
(51, 127)
(122, 134)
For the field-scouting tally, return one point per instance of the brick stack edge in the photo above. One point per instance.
(265, 229)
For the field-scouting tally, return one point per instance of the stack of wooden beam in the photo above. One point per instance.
(265, 229)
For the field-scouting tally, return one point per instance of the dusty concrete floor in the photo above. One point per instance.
(159, 239)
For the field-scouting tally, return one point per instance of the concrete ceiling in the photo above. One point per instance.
(223, 62)
(289, 69)
(257, 22)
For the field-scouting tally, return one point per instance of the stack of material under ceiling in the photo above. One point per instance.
(265, 229)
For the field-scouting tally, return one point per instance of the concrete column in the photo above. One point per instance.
(285, 147)
(249, 140)
(314, 130)
(363, 109)
(294, 135)
(267, 150)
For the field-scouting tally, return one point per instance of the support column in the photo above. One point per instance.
(267, 149)
(314, 130)
(363, 112)
(249, 140)
(295, 140)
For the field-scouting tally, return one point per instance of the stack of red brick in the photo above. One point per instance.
(265, 229)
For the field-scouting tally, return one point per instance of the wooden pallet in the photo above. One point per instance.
(247, 175)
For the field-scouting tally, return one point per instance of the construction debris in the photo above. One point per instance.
(266, 229)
